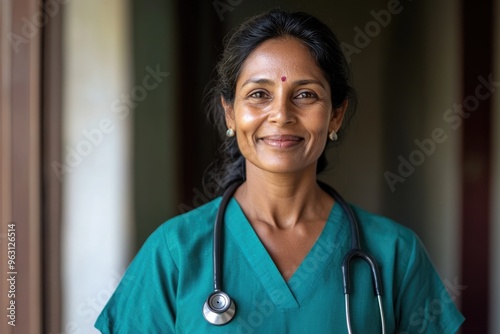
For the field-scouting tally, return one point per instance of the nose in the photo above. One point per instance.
(281, 112)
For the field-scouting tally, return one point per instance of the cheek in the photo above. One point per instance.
(318, 124)
(246, 124)
(319, 142)
(248, 119)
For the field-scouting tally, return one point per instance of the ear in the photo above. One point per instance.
(338, 116)
(229, 113)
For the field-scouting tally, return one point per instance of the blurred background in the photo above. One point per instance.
(103, 137)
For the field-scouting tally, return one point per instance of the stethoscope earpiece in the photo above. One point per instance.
(219, 308)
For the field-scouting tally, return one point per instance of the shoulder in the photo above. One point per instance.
(420, 300)
(178, 228)
(199, 218)
(189, 231)
(398, 248)
(174, 253)
(384, 229)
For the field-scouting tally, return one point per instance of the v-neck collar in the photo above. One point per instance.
(287, 295)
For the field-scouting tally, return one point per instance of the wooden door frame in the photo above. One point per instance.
(30, 71)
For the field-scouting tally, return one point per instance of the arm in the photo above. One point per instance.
(423, 302)
(144, 301)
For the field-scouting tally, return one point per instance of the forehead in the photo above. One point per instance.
(278, 57)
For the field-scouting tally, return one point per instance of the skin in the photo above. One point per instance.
(281, 127)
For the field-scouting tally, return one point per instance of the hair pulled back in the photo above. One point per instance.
(276, 23)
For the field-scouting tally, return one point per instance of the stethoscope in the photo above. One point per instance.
(219, 308)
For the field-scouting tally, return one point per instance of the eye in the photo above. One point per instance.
(259, 95)
(306, 95)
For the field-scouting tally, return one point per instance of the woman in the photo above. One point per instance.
(281, 93)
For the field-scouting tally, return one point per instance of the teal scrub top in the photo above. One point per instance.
(166, 285)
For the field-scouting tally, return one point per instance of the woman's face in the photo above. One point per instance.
(282, 111)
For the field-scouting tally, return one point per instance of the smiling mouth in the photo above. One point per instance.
(282, 141)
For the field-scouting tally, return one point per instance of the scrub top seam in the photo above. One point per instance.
(167, 246)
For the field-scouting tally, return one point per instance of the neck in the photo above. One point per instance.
(283, 200)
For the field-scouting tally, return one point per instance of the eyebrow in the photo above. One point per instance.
(263, 81)
(260, 81)
(308, 81)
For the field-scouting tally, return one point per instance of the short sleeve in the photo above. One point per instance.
(144, 299)
(424, 305)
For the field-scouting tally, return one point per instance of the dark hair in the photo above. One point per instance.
(276, 23)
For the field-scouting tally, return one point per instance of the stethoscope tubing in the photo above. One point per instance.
(216, 250)
(356, 252)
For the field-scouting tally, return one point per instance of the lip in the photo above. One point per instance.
(282, 141)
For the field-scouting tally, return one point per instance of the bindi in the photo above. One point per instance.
(283, 79)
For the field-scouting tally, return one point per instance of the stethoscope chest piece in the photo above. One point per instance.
(219, 308)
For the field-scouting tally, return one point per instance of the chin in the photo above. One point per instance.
(285, 167)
